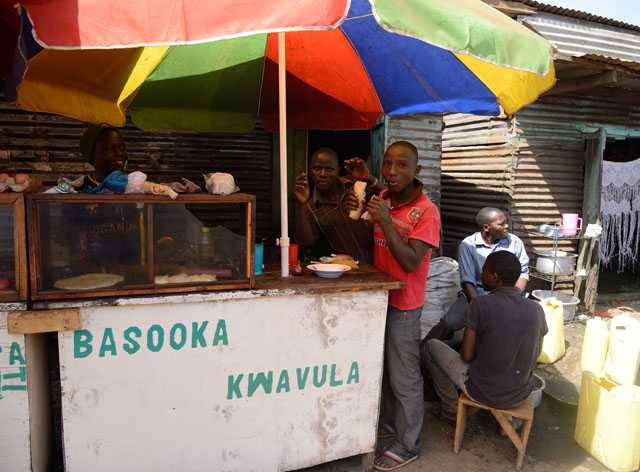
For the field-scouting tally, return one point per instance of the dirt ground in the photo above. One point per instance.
(551, 444)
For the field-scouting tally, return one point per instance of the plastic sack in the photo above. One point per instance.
(441, 291)
(594, 346)
(115, 182)
(136, 182)
(553, 343)
(219, 183)
(623, 358)
(608, 423)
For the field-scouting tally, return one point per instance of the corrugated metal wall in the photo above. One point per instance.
(425, 132)
(532, 164)
(47, 147)
(477, 164)
(549, 174)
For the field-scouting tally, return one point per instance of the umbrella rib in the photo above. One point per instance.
(358, 17)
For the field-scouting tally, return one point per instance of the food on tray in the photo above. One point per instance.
(359, 189)
(184, 279)
(344, 259)
(159, 189)
(137, 183)
(21, 179)
(185, 186)
(18, 183)
(89, 281)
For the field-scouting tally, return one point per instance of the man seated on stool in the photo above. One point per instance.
(501, 344)
(493, 236)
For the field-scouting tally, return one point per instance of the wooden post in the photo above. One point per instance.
(588, 257)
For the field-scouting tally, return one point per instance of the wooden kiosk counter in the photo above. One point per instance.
(280, 376)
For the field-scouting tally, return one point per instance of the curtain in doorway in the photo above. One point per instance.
(620, 214)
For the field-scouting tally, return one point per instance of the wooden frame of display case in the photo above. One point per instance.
(34, 247)
(21, 291)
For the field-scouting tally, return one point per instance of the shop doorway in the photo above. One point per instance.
(617, 274)
(347, 144)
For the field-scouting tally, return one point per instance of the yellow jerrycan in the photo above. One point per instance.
(553, 342)
(608, 424)
(594, 346)
(623, 357)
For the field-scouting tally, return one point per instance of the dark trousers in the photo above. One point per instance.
(451, 322)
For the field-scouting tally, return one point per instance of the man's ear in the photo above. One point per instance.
(495, 278)
(418, 169)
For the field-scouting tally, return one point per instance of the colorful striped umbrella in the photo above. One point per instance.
(196, 65)
(347, 62)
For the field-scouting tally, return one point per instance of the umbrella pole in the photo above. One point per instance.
(282, 112)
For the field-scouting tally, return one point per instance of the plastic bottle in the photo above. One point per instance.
(553, 343)
(205, 249)
(623, 358)
(594, 346)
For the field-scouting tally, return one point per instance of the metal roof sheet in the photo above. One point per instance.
(582, 15)
(577, 37)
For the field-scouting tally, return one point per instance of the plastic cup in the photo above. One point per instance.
(571, 223)
(258, 259)
(293, 255)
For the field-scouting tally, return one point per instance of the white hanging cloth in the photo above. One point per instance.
(620, 214)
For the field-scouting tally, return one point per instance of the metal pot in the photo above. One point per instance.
(565, 262)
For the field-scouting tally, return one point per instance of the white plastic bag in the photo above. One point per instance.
(219, 183)
(136, 182)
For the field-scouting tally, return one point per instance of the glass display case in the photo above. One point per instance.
(119, 245)
(13, 256)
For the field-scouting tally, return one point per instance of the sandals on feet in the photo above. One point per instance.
(391, 460)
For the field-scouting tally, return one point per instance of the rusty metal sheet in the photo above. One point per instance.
(47, 147)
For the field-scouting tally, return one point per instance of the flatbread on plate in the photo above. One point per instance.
(89, 282)
(184, 278)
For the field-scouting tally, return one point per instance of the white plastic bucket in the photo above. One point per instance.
(569, 302)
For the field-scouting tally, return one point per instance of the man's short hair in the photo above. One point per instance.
(486, 215)
(328, 151)
(407, 145)
(506, 265)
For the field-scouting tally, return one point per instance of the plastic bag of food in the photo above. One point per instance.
(359, 189)
(136, 182)
(219, 183)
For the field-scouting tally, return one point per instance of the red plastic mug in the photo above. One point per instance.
(293, 255)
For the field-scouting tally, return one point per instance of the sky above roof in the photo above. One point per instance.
(621, 10)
